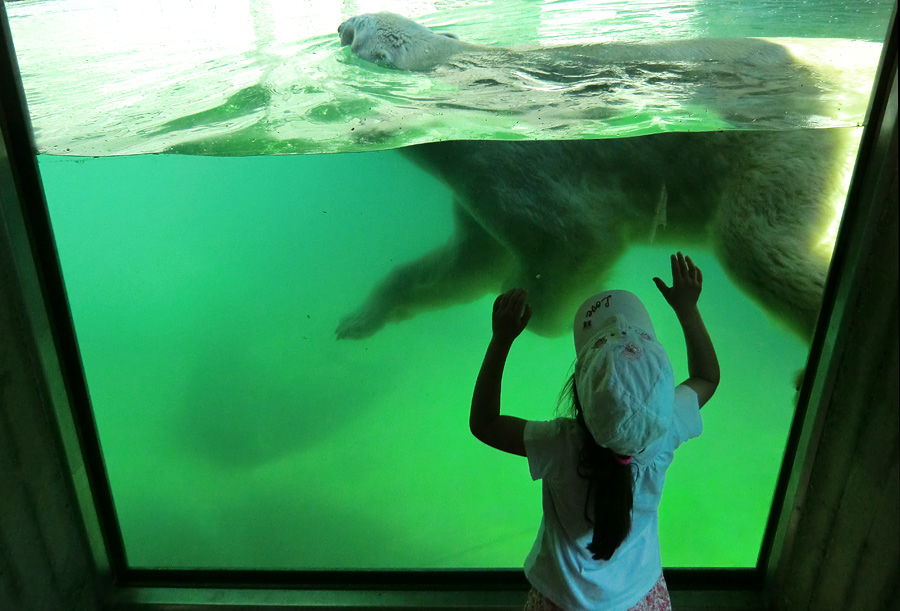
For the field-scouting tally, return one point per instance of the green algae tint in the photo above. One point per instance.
(239, 433)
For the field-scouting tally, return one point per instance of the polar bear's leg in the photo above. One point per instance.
(772, 218)
(470, 264)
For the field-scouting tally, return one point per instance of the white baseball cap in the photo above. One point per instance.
(623, 375)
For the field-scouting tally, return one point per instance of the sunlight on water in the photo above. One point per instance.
(269, 76)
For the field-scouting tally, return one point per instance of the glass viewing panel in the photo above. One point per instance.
(253, 410)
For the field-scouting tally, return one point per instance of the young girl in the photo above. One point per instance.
(603, 470)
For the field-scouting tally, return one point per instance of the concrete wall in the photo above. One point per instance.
(846, 550)
(45, 562)
(843, 548)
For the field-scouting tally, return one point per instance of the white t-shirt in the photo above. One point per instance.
(559, 565)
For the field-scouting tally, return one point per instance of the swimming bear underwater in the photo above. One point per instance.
(554, 216)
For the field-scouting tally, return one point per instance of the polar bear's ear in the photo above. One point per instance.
(449, 35)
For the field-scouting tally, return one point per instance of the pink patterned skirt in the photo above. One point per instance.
(657, 599)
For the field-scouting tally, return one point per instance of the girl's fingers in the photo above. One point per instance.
(521, 302)
(676, 269)
(695, 273)
(526, 315)
(684, 269)
(691, 268)
(514, 300)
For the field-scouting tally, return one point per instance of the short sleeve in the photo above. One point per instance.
(686, 421)
(540, 440)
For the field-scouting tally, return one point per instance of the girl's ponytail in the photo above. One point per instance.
(611, 486)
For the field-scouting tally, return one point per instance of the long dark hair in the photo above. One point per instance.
(611, 486)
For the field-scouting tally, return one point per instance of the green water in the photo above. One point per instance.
(239, 433)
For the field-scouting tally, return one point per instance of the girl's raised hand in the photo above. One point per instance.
(511, 315)
(687, 282)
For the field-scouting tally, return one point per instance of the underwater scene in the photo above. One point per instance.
(280, 348)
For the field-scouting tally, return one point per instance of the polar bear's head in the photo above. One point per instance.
(397, 42)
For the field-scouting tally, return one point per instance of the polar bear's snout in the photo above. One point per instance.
(365, 39)
(346, 31)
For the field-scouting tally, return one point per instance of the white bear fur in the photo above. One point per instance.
(554, 216)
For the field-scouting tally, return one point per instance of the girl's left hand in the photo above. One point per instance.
(511, 314)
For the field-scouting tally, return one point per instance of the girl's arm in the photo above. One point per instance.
(506, 433)
(703, 366)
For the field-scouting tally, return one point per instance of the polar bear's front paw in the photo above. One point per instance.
(359, 324)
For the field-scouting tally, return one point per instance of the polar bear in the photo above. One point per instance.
(397, 42)
(554, 216)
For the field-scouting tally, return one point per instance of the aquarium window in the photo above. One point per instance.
(230, 193)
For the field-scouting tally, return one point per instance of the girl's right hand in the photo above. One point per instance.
(687, 282)
(511, 314)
